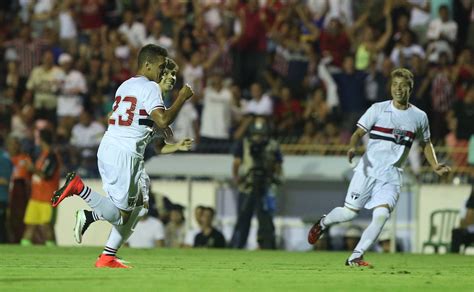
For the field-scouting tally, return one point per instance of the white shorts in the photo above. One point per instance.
(368, 192)
(123, 176)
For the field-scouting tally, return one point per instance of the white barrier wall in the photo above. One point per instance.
(434, 197)
(96, 235)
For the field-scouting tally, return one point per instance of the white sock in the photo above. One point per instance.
(370, 234)
(338, 215)
(102, 206)
(120, 233)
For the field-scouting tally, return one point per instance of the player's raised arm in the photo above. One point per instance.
(430, 154)
(164, 117)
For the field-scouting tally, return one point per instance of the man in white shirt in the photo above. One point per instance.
(260, 104)
(392, 126)
(442, 27)
(149, 233)
(134, 31)
(216, 117)
(73, 85)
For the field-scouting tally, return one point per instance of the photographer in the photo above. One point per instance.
(256, 170)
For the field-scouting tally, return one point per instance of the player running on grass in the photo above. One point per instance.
(392, 126)
(85, 217)
(138, 106)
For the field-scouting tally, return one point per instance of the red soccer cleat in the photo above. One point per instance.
(72, 186)
(315, 232)
(358, 262)
(109, 261)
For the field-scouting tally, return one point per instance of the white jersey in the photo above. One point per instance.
(130, 127)
(391, 132)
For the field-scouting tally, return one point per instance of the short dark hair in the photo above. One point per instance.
(151, 53)
(210, 210)
(46, 136)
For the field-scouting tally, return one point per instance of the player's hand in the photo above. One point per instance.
(186, 92)
(442, 169)
(351, 154)
(185, 144)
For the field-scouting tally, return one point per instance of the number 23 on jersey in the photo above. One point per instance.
(132, 103)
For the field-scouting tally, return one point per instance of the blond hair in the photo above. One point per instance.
(405, 74)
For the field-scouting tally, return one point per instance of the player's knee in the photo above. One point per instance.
(349, 214)
(381, 214)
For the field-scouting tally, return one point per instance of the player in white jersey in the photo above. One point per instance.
(137, 112)
(392, 126)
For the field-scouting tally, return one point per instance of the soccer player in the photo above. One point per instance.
(392, 126)
(138, 106)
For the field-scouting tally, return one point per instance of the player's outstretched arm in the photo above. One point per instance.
(163, 118)
(430, 154)
(182, 145)
(355, 139)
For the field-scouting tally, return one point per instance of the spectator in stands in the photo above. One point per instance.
(6, 169)
(157, 37)
(20, 188)
(249, 53)
(90, 13)
(460, 121)
(149, 233)
(175, 230)
(259, 104)
(72, 87)
(191, 233)
(134, 30)
(216, 117)
(45, 181)
(350, 84)
(442, 27)
(43, 85)
(465, 234)
(85, 139)
(288, 114)
(335, 42)
(67, 25)
(22, 123)
(25, 50)
(316, 108)
(441, 96)
(404, 50)
(209, 236)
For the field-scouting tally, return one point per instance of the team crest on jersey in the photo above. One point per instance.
(399, 134)
(355, 195)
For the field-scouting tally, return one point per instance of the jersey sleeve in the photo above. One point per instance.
(153, 98)
(367, 121)
(423, 131)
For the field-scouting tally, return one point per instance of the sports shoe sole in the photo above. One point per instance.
(58, 195)
(80, 221)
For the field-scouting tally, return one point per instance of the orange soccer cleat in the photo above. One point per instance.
(72, 186)
(110, 261)
(358, 262)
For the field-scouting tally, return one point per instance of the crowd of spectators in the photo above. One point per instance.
(313, 67)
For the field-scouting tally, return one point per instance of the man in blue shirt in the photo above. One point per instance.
(6, 169)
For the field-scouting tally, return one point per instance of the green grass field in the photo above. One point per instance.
(71, 269)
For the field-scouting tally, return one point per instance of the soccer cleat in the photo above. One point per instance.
(72, 186)
(358, 262)
(315, 232)
(110, 261)
(82, 223)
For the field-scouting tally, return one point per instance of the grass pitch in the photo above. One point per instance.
(71, 269)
